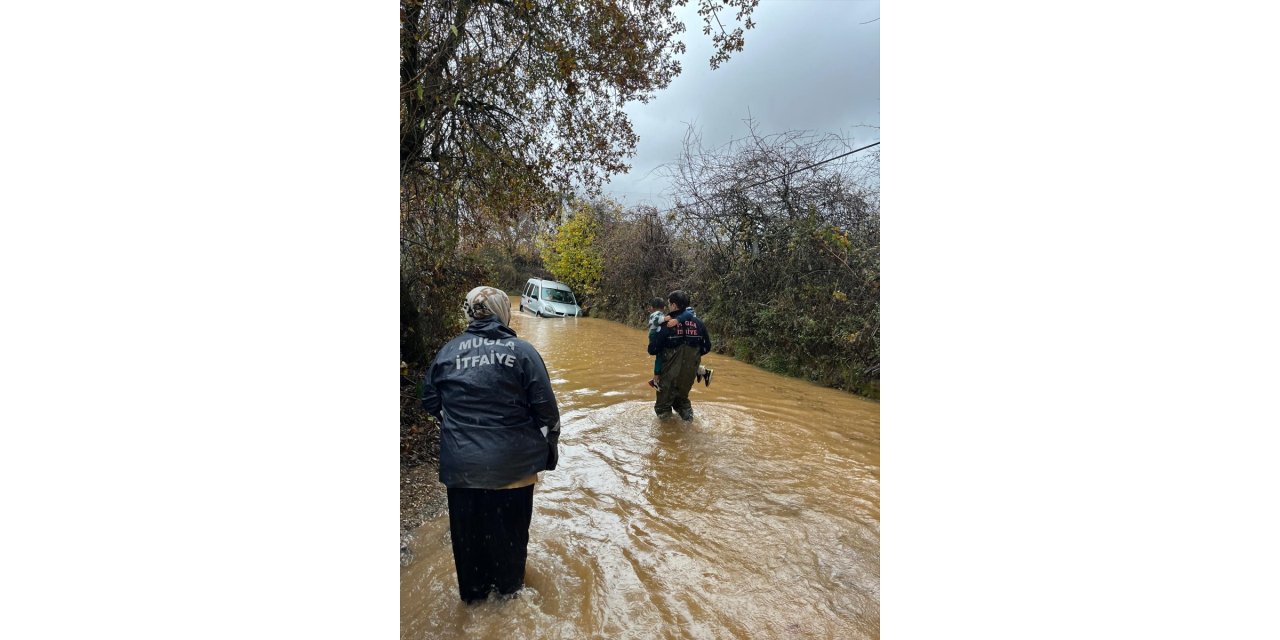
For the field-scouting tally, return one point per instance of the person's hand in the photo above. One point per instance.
(671, 322)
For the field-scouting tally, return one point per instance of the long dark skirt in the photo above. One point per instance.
(490, 531)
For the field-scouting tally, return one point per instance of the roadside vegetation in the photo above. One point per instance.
(786, 274)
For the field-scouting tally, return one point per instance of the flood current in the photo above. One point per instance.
(760, 518)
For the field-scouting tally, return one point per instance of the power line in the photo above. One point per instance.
(822, 162)
(812, 165)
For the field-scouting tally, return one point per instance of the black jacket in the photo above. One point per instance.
(491, 392)
(689, 332)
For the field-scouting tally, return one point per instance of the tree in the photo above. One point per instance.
(506, 103)
(765, 217)
(571, 252)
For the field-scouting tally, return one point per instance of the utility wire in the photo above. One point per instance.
(812, 165)
(822, 162)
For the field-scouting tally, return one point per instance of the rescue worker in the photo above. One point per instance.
(499, 426)
(680, 349)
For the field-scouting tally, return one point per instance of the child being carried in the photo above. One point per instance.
(657, 318)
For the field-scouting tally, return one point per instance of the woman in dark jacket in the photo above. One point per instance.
(499, 426)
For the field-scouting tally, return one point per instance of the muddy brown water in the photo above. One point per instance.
(758, 519)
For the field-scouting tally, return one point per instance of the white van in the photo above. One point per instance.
(548, 298)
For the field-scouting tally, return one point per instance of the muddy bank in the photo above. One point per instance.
(422, 497)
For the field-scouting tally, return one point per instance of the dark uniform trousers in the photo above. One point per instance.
(490, 533)
(679, 367)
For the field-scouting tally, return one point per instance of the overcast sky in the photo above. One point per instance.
(808, 64)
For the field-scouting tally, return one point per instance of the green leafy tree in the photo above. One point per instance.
(571, 252)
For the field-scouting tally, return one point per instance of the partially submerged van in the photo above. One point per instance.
(548, 298)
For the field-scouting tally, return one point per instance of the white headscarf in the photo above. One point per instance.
(483, 302)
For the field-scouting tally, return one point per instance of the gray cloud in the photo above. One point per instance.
(808, 64)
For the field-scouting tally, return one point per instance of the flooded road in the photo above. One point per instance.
(758, 519)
